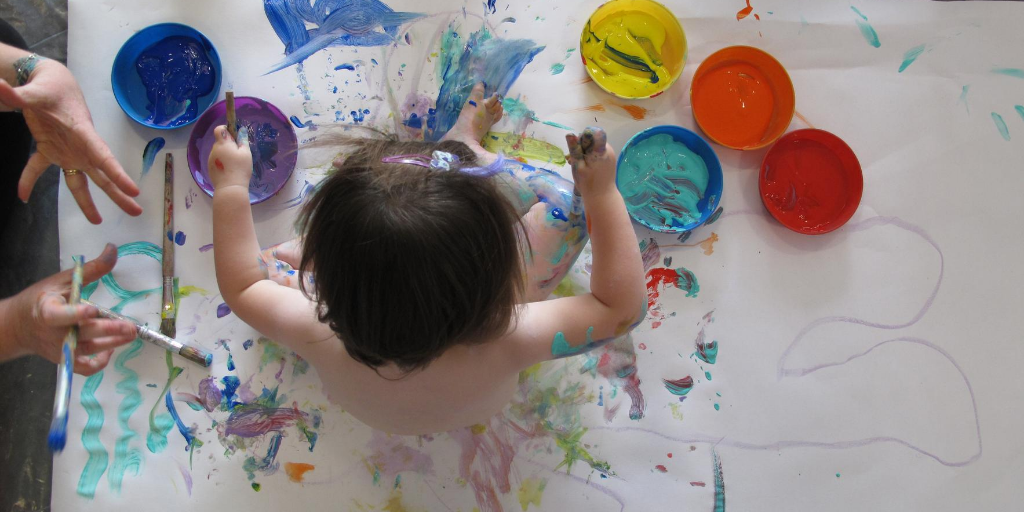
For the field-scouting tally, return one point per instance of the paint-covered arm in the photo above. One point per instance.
(616, 304)
(278, 312)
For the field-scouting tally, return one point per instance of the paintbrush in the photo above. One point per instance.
(65, 369)
(194, 354)
(168, 313)
(592, 141)
(229, 99)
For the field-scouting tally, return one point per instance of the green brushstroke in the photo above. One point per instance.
(517, 146)
(1001, 126)
(1014, 72)
(866, 29)
(97, 462)
(557, 68)
(911, 55)
(516, 110)
(272, 352)
(126, 457)
(575, 451)
(1020, 110)
(160, 426)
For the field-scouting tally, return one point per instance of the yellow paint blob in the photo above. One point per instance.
(633, 48)
(530, 492)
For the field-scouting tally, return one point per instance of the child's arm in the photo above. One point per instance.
(617, 301)
(278, 312)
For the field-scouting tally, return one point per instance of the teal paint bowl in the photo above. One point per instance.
(661, 196)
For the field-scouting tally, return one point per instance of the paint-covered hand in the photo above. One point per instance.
(36, 320)
(230, 162)
(56, 113)
(593, 170)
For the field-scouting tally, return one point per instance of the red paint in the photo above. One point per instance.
(744, 12)
(220, 166)
(661, 468)
(811, 181)
(642, 346)
(697, 484)
(757, 17)
(670, 455)
(605, 359)
(659, 278)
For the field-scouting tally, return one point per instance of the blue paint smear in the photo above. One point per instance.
(911, 55)
(231, 384)
(1020, 110)
(963, 98)
(866, 29)
(1001, 126)
(489, 6)
(97, 463)
(1013, 72)
(267, 465)
(335, 23)
(176, 72)
(346, 66)
(495, 62)
(719, 482)
(185, 432)
(149, 154)
(231, 363)
(247, 344)
(179, 238)
(559, 214)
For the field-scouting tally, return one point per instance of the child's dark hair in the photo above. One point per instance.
(409, 261)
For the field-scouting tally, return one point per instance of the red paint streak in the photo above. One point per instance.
(659, 278)
(635, 111)
(744, 12)
(661, 468)
(642, 346)
(297, 470)
(697, 484)
(220, 166)
(605, 359)
(670, 455)
(758, 18)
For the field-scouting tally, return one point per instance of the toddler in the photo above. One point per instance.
(423, 268)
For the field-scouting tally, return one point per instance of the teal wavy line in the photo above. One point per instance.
(97, 462)
(126, 458)
(160, 426)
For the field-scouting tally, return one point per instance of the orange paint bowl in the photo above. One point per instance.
(742, 98)
(811, 181)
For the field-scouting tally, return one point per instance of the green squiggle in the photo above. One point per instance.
(160, 426)
(126, 458)
(97, 462)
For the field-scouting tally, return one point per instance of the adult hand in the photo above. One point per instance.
(56, 113)
(36, 320)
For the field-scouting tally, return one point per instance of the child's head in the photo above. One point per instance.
(408, 260)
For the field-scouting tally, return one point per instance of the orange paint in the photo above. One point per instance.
(709, 244)
(758, 18)
(590, 108)
(744, 12)
(635, 111)
(297, 470)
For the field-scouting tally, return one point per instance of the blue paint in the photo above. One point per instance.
(247, 344)
(335, 23)
(358, 116)
(1012, 72)
(1020, 110)
(374, 61)
(346, 66)
(97, 463)
(126, 457)
(716, 469)
(231, 363)
(223, 310)
(707, 375)
(1001, 126)
(471, 102)
(911, 55)
(149, 154)
(489, 6)
(179, 238)
(231, 384)
(190, 439)
(600, 396)
(176, 72)
(495, 62)
(866, 29)
(267, 465)
(557, 213)
(297, 122)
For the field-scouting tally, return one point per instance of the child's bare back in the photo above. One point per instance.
(418, 317)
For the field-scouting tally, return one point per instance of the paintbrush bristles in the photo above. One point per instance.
(196, 355)
(229, 98)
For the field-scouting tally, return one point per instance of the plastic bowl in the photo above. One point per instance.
(638, 201)
(811, 181)
(632, 70)
(742, 98)
(131, 93)
(272, 142)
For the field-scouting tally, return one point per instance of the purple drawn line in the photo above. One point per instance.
(585, 481)
(206, 247)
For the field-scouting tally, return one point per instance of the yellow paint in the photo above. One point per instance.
(520, 146)
(530, 492)
(677, 412)
(633, 48)
(567, 288)
(478, 429)
(394, 503)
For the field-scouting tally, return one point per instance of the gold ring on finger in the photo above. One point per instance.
(70, 172)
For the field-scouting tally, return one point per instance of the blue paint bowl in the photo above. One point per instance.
(712, 195)
(130, 91)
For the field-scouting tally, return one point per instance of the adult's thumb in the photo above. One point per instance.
(11, 96)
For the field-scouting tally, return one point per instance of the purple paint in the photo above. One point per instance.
(223, 310)
(206, 248)
(254, 422)
(247, 344)
(209, 394)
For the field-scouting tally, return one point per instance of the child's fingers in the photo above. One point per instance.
(477, 94)
(575, 151)
(243, 137)
(221, 132)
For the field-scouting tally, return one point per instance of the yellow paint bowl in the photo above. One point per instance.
(633, 48)
(742, 98)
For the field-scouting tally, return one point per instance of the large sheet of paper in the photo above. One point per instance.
(874, 368)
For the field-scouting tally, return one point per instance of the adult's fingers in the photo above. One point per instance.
(89, 365)
(98, 266)
(119, 197)
(55, 312)
(78, 184)
(101, 158)
(97, 332)
(36, 166)
(10, 96)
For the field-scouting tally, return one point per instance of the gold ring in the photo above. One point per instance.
(70, 172)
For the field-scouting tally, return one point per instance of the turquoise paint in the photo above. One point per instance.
(1001, 126)
(1013, 72)
(963, 98)
(837, 475)
(560, 346)
(707, 352)
(911, 55)
(716, 468)
(97, 463)
(866, 29)
(662, 181)
(717, 407)
(560, 253)
(707, 375)
(558, 125)
(160, 426)
(126, 457)
(557, 68)
(1020, 110)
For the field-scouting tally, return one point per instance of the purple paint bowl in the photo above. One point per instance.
(271, 139)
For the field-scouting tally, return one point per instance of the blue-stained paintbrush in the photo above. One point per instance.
(65, 369)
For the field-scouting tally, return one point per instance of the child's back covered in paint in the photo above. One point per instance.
(423, 269)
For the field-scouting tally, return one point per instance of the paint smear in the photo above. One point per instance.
(149, 154)
(744, 12)
(530, 492)
(1012, 72)
(661, 468)
(205, 248)
(126, 457)
(160, 426)
(679, 387)
(697, 484)
(296, 471)
(521, 146)
(346, 66)
(97, 463)
(597, 107)
(1020, 110)
(866, 29)
(635, 111)
(179, 238)
(1001, 126)
(911, 55)
(719, 482)
(557, 68)
(223, 310)
(661, 278)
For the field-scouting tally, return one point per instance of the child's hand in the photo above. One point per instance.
(593, 168)
(230, 163)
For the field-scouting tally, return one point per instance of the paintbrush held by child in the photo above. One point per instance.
(423, 270)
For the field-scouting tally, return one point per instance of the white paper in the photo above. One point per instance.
(815, 414)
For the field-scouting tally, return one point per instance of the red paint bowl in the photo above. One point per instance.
(811, 181)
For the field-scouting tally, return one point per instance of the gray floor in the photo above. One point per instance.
(28, 253)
